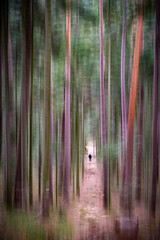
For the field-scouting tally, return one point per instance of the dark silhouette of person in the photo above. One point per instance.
(90, 156)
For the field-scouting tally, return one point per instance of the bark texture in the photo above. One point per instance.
(155, 113)
(46, 120)
(132, 104)
(67, 104)
(103, 114)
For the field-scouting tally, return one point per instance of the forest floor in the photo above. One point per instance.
(87, 214)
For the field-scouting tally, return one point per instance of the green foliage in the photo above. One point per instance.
(21, 226)
(62, 230)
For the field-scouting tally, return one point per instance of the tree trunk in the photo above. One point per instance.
(67, 104)
(8, 188)
(61, 157)
(103, 114)
(131, 51)
(20, 191)
(47, 84)
(31, 126)
(132, 104)
(109, 106)
(123, 105)
(155, 113)
(83, 145)
(51, 146)
(0, 83)
(139, 143)
(77, 142)
(40, 145)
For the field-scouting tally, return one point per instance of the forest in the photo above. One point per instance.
(79, 119)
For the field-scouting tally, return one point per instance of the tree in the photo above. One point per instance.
(155, 113)
(20, 190)
(7, 70)
(46, 120)
(139, 141)
(102, 102)
(31, 121)
(51, 145)
(123, 103)
(132, 104)
(109, 103)
(67, 104)
(0, 81)
(61, 157)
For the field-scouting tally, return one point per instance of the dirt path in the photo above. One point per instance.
(88, 215)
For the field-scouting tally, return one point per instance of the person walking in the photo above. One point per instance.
(90, 156)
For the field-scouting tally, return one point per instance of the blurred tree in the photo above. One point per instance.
(67, 103)
(47, 101)
(123, 104)
(61, 157)
(1, 82)
(51, 144)
(20, 191)
(155, 163)
(109, 103)
(132, 103)
(139, 137)
(103, 114)
(31, 115)
(7, 75)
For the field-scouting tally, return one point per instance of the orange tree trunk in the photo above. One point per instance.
(132, 103)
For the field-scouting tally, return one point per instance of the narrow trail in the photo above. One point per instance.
(88, 216)
(90, 220)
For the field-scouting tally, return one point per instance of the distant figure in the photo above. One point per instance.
(90, 156)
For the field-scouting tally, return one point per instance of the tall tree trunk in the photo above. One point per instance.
(9, 103)
(132, 104)
(47, 84)
(31, 124)
(77, 142)
(0, 82)
(67, 103)
(73, 140)
(40, 145)
(131, 59)
(103, 114)
(116, 140)
(83, 145)
(61, 157)
(57, 151)
(155, 113)
(8, 189)
(109, 105)
(11, 109)
(123, 104)
(131, 51)
(51, 145)
(20, 191)
(139, 142)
